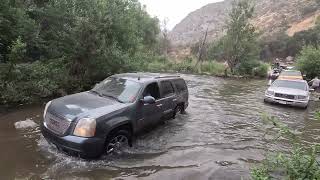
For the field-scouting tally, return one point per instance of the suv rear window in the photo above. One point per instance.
(166, 89)
(180, 85)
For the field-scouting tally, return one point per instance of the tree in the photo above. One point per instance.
(309, 61)
(216, 50)
(240, 42)
(164, 42)
(15, 23)
(201, 51)
(17, 54)
(84, 40)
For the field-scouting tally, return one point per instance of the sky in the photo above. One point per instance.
(173, 10)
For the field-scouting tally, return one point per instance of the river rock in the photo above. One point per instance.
(25, 124)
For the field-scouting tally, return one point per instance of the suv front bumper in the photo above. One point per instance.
(79, 146)
(290, 102)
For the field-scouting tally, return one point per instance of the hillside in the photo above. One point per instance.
(271, 17)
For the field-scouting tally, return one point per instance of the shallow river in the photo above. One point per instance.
(220, 137)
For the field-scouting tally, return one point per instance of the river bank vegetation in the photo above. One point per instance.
(299, 162)
(245, 51)
(52, 48)
(238, 48)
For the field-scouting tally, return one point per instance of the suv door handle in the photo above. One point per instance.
(174, 100)
(159, 105)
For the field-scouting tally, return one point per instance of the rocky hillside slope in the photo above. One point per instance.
(271, 17)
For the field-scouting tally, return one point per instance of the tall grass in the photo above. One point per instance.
(187, 66)
(214, 68)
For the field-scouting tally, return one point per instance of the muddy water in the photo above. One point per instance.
(220, 137)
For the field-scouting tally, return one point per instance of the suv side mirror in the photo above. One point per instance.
(149, 100)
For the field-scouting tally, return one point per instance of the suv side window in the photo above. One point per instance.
(166, 89)
(180, 85)
(152, 90)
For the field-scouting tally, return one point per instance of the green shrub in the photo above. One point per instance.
(309, 61)
(157, 66)
(246, 67)
(161, 64)
(81, 43)
(30, 82)
(299, 163)
(253, 68)
(213, 68)
(17, 51)
(261, 70)
(185, 66)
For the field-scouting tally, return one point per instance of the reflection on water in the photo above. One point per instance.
(220, 137)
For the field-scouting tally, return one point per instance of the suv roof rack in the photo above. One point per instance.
(162, 77)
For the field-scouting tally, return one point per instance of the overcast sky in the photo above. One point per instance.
(173, 10)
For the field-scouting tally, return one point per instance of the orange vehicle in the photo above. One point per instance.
(290, 75)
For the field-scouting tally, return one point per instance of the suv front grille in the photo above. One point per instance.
(57, 124)
(286, 96)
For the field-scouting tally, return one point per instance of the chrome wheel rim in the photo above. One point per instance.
(117, 143)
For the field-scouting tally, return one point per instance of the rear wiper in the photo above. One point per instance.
(110, 96)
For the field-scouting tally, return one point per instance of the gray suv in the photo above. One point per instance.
(105, 119)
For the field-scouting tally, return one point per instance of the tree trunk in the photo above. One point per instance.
(232, 71)
(200, 52)
(8, 75)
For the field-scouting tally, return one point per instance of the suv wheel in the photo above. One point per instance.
(117, 141)
(179, 109)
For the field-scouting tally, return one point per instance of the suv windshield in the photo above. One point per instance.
(123, 90)
(291, 73)
(290, 84)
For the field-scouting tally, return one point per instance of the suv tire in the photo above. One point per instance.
(118, 140)
(179, 109)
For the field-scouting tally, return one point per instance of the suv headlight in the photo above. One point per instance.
(46, 109)
(86, 127)
(269, 93)
(302, 97)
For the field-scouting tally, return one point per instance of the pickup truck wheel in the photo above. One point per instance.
(306, 107)
(118, 141)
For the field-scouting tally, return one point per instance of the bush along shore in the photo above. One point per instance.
(301, 161)
(189, 65)
(54, 48)
(35, 82)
